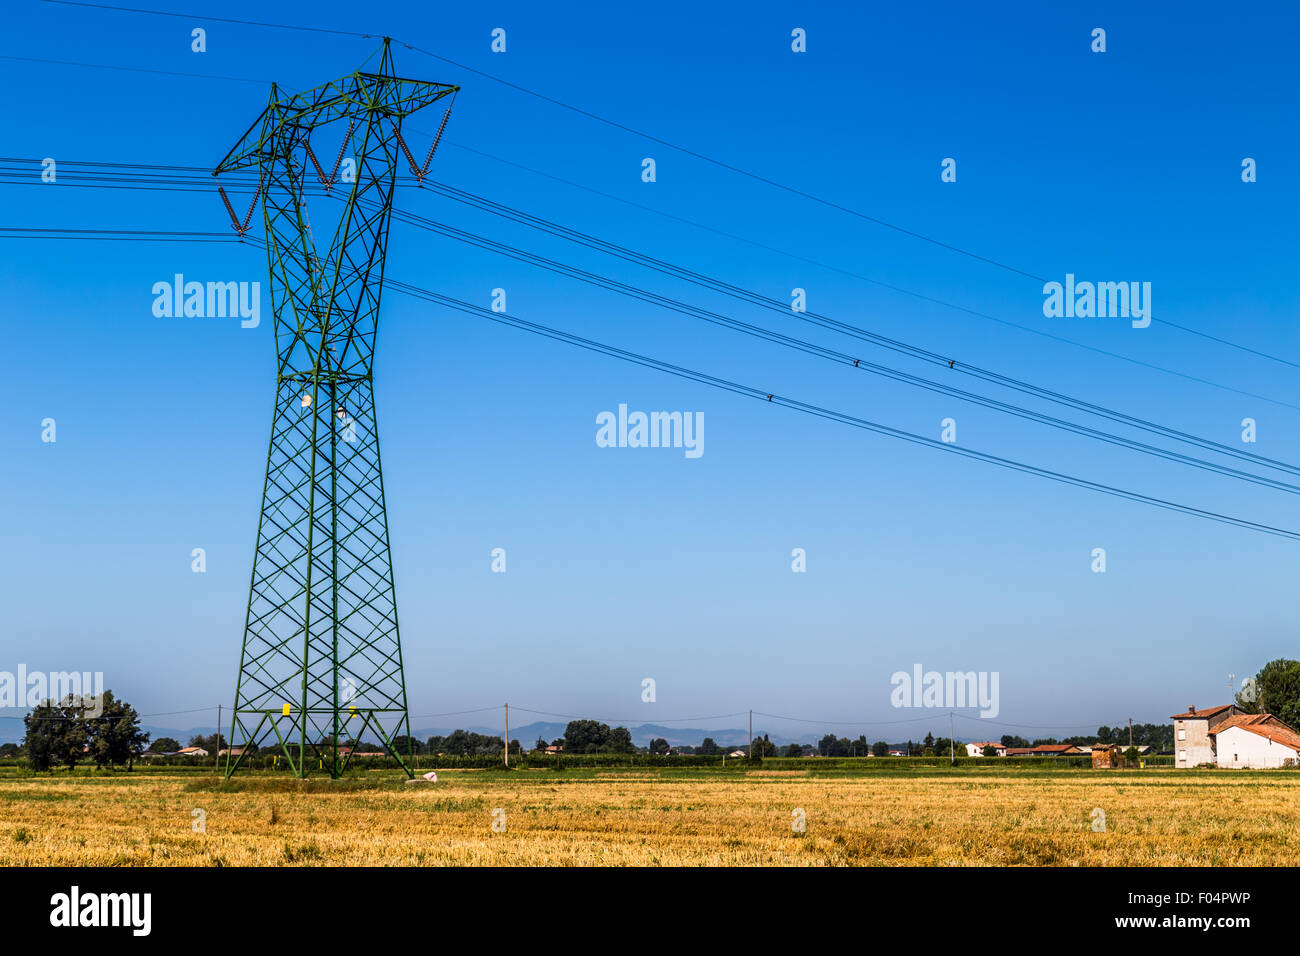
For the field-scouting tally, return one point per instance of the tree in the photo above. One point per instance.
(659, 746)
(1011, 740)
(1131, 755)
(585, 736)
(763, 747)
(990, 751)
(165, 745)
(55, 734)
(541, 744)
(619, 741)
(709, 747)
(1277, 688)
(9, 750)
(880, 749)
(116, 737)
(793, 750)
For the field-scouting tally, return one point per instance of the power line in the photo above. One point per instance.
(133, 69)
(627, 254)
(845, 359)
(598, 118)
(897, 288)
(628, 720)
(189, 16)
(812, 349)
(783, 308)
(804, 346)
(28, 232)
(795, 256)
(829, 414)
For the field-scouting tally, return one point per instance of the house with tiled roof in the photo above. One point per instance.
(1256, 740)
(1194, 733)
(1226, 737)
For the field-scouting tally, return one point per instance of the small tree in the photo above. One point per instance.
(990, 751)
(1131, 755)
(880, 749)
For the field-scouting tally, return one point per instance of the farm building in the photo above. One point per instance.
(1256, 740)
(977, 749)
(1194, 733)
(1045, 750)
(1226, 737)
(1107, 757)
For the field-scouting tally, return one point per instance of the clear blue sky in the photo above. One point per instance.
(633, 563)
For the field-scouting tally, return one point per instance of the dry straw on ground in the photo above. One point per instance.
(638, 817)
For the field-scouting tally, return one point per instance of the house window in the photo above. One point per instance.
(1182, 735)
(1182, 755)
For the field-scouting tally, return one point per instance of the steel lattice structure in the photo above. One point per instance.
(321, 663)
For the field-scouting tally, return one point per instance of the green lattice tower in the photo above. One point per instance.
(321, 663)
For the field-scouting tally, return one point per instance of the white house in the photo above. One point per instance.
(191, 752)
(977, 749)
(1263, 742)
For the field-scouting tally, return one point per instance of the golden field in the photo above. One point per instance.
(639, 817)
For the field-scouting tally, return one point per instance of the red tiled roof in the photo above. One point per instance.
(1245, 720)
(1207, 712)
(1265, 725)
(1279, 732)
(1053, 748)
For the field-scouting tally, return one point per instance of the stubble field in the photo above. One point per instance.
(921, 817)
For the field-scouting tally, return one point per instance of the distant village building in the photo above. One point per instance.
(191, 752)
(1045, 750)
(977, 749)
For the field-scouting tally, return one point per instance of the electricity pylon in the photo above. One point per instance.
(321, 663)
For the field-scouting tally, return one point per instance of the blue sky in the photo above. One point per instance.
(633, 563)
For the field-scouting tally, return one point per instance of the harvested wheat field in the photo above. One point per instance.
(926, 817)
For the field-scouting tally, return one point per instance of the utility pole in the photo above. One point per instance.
(1130, 731)
(217, 762)
(507, 748)
(751, 733)
(952, 744)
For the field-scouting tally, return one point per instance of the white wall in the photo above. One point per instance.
(1241, 748)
